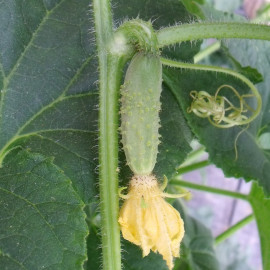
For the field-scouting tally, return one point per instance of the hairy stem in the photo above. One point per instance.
(183, 183)
(223, 236)
(171, 35)
(103, 24)
(108, 153)
(109, 82)
(140, 34)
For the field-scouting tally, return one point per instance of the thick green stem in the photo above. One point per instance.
(223, 236)
(108, 159)
(103, 24)
(171, 35)
(110, 67)
(182, 183)
(194, 166)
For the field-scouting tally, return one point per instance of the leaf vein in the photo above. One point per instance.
(35, 208)
(48, 13)
(60, 99)
(12, 259)
(13, 70)
(64, 147)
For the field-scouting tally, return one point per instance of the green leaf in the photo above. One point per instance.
(264, 141)
(42, 220)
(251, 73)
(133, 260)
(175, 136)
(94, 251)
(69, 138)
(252, 162)
(261, 209)
(193, 7)
(198, 245)
(48, 101)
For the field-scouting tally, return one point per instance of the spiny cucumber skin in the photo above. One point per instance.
(140, 112)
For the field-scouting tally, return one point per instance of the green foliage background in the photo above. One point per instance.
(48, 134)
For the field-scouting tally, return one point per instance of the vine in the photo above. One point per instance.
(202, 30)
(110, 74)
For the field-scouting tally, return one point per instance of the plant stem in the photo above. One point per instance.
(109, 82)
(194, 166)
(108, 152)
(183, 183)
(103, 25)
(207, 51)
(171, 35)
(223, 236)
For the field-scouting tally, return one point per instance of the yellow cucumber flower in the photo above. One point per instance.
(148, 221)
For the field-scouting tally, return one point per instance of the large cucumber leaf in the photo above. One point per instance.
(48, 105)
(42, 224)
(48, 101)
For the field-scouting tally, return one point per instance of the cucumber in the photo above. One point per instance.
(140, 106)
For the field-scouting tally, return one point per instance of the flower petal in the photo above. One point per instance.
(128, 221)
(147, 220)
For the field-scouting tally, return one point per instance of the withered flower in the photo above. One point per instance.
(148, 221)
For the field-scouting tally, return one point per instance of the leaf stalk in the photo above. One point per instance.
(218, 191)
(202, 30)
(230, 231)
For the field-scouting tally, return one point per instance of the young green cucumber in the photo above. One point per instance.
(140, 112)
